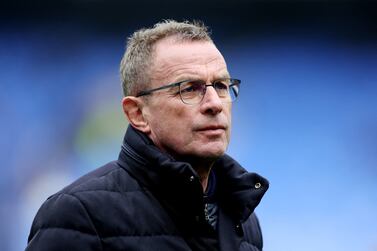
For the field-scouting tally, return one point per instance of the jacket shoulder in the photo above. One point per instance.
(65, 219)
(108, 177)
(55, 227)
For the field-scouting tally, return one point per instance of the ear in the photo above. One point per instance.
(133, 109)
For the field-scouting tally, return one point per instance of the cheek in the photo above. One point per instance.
(172, 121)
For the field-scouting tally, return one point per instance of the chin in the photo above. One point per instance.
(204, 150)
(212, 153)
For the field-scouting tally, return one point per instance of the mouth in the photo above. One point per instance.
(212, 129)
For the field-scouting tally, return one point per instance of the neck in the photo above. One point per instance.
(203, 171)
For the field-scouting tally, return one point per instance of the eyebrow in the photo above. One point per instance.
(224, 75)
(191, 77)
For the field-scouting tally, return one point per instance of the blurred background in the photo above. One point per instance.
(306, 118)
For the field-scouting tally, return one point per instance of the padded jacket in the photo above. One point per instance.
(148, 201)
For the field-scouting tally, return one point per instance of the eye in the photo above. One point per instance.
(192, 86)
(222, 85)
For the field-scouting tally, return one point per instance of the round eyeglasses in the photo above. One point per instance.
(192, 91)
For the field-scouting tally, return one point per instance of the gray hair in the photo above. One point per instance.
(134, 67)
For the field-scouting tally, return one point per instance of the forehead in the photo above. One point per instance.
(174, 60)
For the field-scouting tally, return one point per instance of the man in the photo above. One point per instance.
(173, 187)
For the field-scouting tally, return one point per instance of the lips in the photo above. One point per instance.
(212, 128)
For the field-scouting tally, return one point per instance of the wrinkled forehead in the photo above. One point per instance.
(173, 60)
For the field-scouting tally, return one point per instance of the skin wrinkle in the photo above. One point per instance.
(171, 74)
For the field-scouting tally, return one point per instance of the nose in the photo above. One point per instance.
(211, 103)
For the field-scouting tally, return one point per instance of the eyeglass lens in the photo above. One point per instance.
(192, 92)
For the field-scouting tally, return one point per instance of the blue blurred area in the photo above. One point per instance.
(306, 119)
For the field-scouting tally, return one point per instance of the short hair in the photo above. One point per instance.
(136, 61)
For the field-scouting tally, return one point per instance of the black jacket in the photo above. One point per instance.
(148, 201)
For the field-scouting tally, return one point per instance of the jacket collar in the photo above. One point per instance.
(177, 182)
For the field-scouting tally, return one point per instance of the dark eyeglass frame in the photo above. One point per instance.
(233, 81)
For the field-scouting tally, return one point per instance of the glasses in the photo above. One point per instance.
(192, 91)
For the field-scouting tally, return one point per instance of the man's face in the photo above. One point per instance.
(188, 131)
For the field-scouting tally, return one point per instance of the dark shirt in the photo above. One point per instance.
(210, 202)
